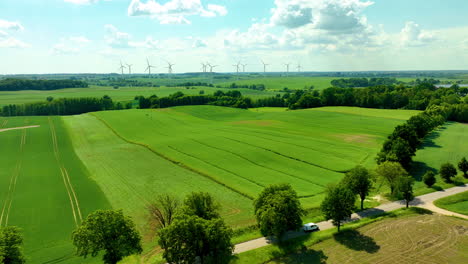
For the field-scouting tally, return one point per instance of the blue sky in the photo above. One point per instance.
(71, 36)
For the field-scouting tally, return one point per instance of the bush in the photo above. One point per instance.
(429, 178)
(447, 172)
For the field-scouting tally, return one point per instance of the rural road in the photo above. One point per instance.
(15, 128)
(424, 201)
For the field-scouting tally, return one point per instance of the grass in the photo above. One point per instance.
(409, 236)
(292, 82)
(122, 94)
(457, 203)
(448, 143)
(36, 196)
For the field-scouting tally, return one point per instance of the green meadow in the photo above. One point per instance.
(456, 203)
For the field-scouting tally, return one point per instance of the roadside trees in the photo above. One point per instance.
(390, 172)
(338, 204)
(463, 166)
(109, 231)
(429, 178)
(11, 243)
(405, 188)
(163, 210)
(198, 233)
(278, 210)
(447, 172)
(358, 180)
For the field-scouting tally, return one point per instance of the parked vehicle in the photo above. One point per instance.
(310, 227)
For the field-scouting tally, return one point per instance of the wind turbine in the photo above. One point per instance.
(243, 67)
(264, 66)
(287, 66)
(129, 68)
(237, 66)
(169, 67)
(299, 67)
(212, 67)
(122, 67)
(204, 66)
(148, 68)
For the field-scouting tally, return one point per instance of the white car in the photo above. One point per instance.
(310, 227)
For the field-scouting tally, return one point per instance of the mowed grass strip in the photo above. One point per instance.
(40, 203)
(248, 150)
(131, 175)
(457, 203)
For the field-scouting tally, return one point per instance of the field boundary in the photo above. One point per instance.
(13, 180)
(178, 163)
(75, 206)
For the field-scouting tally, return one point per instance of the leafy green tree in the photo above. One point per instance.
(190, 238)
(447, 171)
(359, 181)
(109, 231)
(278, 210)
(201, 204)
(405, 188)
(463, 166)
(338, 204)
(429, 178)
(163, 210)
(11, 243)
(390, 172)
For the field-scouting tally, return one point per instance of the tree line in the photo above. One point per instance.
(363, 82)
(63, 106)
(11, 84)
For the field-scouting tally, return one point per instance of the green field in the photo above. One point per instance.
(120, 95)
(45, 189)
(406, 239)
(448, 143)
(457, 203)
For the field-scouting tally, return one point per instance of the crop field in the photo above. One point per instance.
(456, 203)
(411, 239)
(120, 95)
(134, 155)
(45, 189)
(292, 82)
(449, 143)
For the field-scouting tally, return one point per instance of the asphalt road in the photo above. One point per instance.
(424, 201)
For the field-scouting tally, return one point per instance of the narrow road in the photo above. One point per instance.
(424, 201)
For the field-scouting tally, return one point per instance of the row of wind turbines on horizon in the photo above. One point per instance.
(206, 67)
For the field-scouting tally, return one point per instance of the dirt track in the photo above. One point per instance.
(16, 128)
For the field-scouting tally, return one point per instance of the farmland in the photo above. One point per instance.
(408, 239)
(231, 153)
(456, 203)
(45, 189)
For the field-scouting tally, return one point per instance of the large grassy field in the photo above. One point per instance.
(448, 143)
(121, 95)
(133, 155)
(44, 188)
(456, 203)
(407, 239)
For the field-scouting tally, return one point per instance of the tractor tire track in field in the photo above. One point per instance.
(75, 206)
(286, 156)
(175, 162)
(5, 122)
(258, 164)
(12, 187)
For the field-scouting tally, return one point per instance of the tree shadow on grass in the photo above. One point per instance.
(305, 255)
(357, 241)
(418, 169)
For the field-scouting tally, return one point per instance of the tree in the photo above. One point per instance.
(447, 171)
(202, 205)
(109, 231)
(429, 178)
(278, 210)
(163, 210)
(49, 98)
(463, 166)
(338, 204)
(358, 180)
(405, 188)
(390, 172)
(190, 238)
(11, 243)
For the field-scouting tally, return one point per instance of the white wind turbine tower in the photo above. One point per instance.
(287, 67)
(129, 66)
(243, 67)
(299, 67)
(212, 67)
(148, 68)
(204, 66)
(169, 67)
(122, 67)
(264, 66)
(237, 66)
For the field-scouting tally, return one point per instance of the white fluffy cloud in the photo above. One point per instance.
(413, 35)
(174, 11)
(122, 40)
(4, 24)
(70, 45)
(12, 43)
